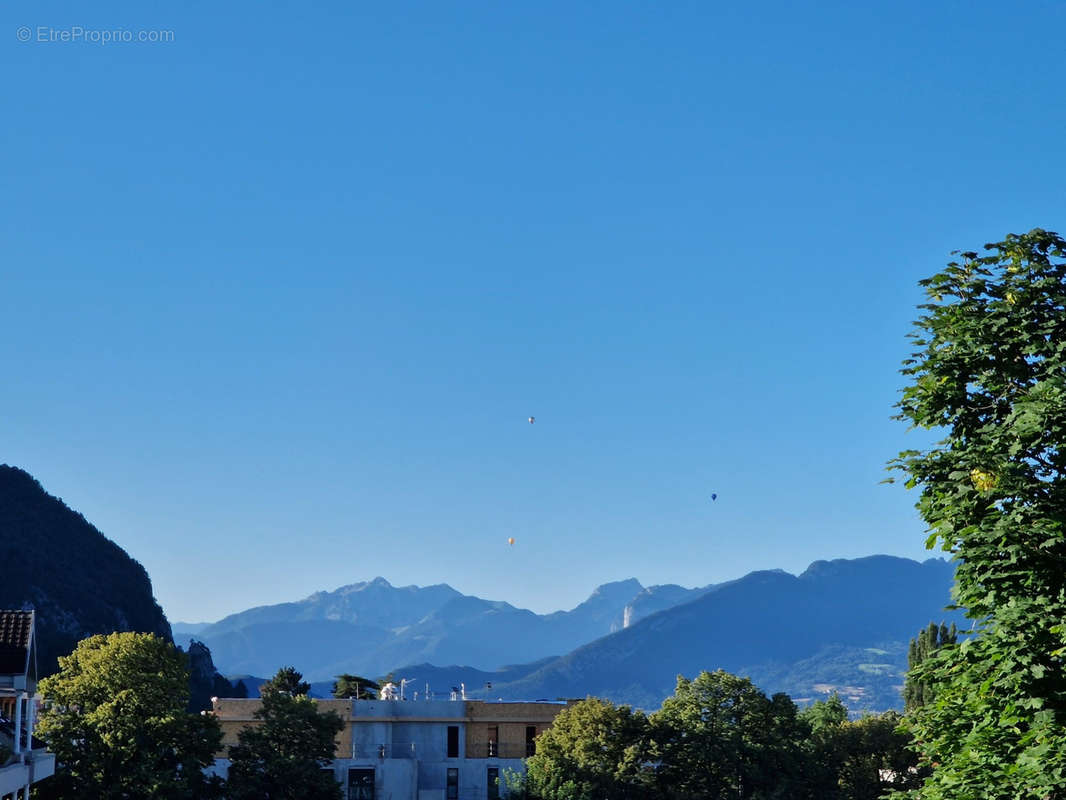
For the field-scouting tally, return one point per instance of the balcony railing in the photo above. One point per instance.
(475, 750)
(499, 750)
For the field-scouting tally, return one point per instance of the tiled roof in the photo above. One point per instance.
(16, 632)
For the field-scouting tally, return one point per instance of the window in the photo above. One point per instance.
(453, 741)
(453, 784)
(531, 743)
(493, 737)
(494, 783)
(360, 784)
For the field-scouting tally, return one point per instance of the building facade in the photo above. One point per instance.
(23, 759)
(418, 749)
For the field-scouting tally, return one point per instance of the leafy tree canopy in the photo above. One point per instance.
(282, 757)
(989, 370)
(356, 687)
(719, 736)
(287, 680)
(929, 640)
(594, 749)
(116, 720)
(825, 715)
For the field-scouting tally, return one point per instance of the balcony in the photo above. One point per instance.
(27, 768)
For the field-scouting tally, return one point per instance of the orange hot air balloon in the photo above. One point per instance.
(510, 540)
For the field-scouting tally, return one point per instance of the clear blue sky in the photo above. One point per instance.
(279, 294)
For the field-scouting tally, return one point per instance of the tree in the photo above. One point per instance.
(873, 757)
(287, 680)
(929, 640)
(115, 718)
(594, 749)
(355, 687)
(825, 715)
(856, 760)
(282, 757)
(989, 371)
(720, 736)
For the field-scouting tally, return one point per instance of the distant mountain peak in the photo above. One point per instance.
(630, 585)
(867, 565)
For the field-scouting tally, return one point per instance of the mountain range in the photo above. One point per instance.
(841, 625)
(371, 627)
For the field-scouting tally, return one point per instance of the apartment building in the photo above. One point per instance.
(419, 749)
(23, 759)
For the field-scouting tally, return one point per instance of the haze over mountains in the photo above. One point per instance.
(842, 624)
(372, 627)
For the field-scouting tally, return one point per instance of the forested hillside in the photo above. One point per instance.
(78, 580)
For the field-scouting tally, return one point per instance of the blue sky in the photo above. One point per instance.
(279, 294)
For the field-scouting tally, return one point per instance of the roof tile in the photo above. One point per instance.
(16, 631)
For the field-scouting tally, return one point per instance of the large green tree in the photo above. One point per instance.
(593, 750)
(115, 717)
(989, 372)
(282, 756)
(720, 736)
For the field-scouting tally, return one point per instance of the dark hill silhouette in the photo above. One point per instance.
(78, 580)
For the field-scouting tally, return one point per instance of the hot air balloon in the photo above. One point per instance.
(510, 541)
(714, 496)
(532, 420)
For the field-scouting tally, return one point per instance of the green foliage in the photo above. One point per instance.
(116, 720)
(593, 750)
(858, 760)
(282, 757)
(287, 681)
(719, 736)
(356, 687)
(825, 715)
(989, 370)
(871, 756)
(931, 639)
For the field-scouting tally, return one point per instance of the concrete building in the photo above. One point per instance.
(23, 759)
(419, 749)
